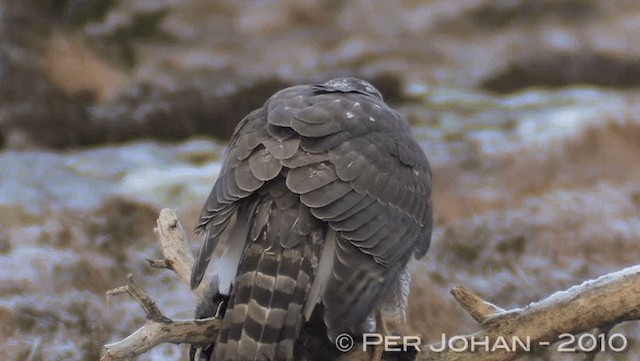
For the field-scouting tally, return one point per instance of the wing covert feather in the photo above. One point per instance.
(351, 162)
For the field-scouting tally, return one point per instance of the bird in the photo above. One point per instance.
(323, 198)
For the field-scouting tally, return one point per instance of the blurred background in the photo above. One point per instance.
(111, 110)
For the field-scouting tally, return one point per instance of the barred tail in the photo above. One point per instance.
(265, 311)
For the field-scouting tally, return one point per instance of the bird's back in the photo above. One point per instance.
(324, 195)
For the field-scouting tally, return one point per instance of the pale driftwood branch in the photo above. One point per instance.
(599, 303)
(195, 332)
(148, 305)
(478, 308)
(176, 250)
(158, 328)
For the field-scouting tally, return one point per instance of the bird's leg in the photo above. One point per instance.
(219, 304)
(381, 329)
(221, 308)
(221, 301)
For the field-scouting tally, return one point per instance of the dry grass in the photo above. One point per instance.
(74, 67)
(608, 154)
(564, 215)
(604, 154)
(432, 312)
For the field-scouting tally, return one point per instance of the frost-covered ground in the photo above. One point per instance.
(73, 225)
(542, 205)
(534, 192)
(527, 109)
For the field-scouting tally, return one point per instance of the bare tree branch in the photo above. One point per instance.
(148, 305)
(195, 332)
(176, 250)
(600, 303)
(608, 300)
(478, 308)
(158, 328)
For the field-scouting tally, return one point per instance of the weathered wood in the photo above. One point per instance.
(599, 303)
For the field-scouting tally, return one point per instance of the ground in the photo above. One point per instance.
(110, 111)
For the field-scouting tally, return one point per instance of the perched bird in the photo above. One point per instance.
(323, 197)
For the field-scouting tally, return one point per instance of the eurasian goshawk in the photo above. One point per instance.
(323, 197)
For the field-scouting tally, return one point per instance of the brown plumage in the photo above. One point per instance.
(323, 197)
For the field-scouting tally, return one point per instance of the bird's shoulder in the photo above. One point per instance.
(349, 109)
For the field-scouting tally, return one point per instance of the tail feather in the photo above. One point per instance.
(265, 311)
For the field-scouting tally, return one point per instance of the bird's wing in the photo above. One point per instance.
(255, 155)
(236, 181)
(358, 168)
(354, 163)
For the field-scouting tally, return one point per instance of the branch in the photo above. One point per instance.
(176, 250)
(158, 328)
(478, 308)
(600, 303)
(148, 305)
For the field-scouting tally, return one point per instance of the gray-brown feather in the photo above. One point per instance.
(317, 156)
(274, 276)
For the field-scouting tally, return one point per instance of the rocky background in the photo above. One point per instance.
(111, 110)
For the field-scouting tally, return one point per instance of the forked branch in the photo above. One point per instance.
(599, 303)
(158, 328)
